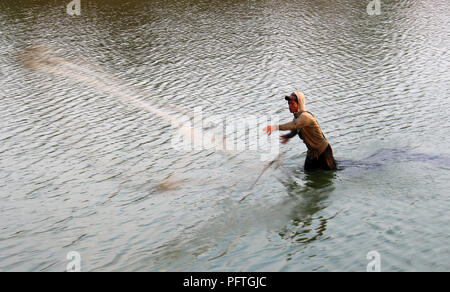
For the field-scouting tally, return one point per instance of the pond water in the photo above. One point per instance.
(82, 170)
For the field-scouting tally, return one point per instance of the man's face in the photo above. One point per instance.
(293, 106)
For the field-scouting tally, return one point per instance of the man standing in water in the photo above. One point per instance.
(320, 154)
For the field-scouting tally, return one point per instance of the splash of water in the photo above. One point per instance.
(44, 59)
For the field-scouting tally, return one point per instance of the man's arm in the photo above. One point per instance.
(291, 134)
(297, 124)
(286, 137)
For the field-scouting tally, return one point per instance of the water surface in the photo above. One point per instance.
(82, 171)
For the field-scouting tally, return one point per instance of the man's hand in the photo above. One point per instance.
(270, 129)
(284, 139)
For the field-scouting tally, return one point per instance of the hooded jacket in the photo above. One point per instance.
(306, 126)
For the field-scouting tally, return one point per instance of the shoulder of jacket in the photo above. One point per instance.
(307, 115)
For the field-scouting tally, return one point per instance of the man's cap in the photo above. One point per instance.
(293, 96)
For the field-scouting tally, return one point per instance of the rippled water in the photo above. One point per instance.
(82, 171)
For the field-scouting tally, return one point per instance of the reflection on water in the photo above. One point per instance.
(304, 227)
(386, 157)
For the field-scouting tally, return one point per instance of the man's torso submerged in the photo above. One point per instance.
(312, 135)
